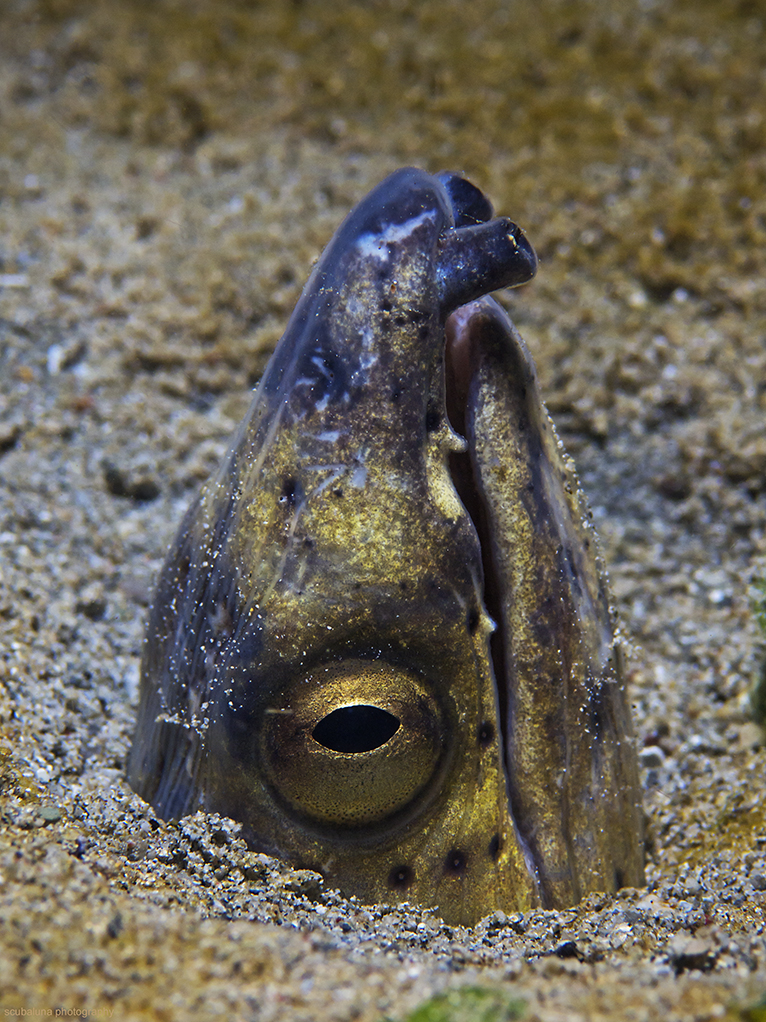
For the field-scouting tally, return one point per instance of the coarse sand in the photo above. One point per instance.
(168, 173)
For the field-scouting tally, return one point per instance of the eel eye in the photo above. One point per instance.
(356, 729)
(357, 743)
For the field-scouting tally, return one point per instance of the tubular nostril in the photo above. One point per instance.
(472, 261)
(358, 728)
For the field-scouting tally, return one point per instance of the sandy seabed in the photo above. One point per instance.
(168, 174)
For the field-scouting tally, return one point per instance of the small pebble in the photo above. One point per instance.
(651, 756)
(51, 814)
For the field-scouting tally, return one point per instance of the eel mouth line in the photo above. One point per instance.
(464, 332)
(462, 355)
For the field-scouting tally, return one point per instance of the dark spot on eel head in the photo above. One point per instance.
(455, 863)
(486, 732)
(473, 620)
(401, 877)
(289, 493)
(495, 845)
(432, 420)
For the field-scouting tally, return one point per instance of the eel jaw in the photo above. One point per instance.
(569, 758)
(462, 353)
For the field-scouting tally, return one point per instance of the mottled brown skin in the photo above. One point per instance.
(332, 564)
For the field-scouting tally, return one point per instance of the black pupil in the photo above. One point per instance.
(355, 729)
